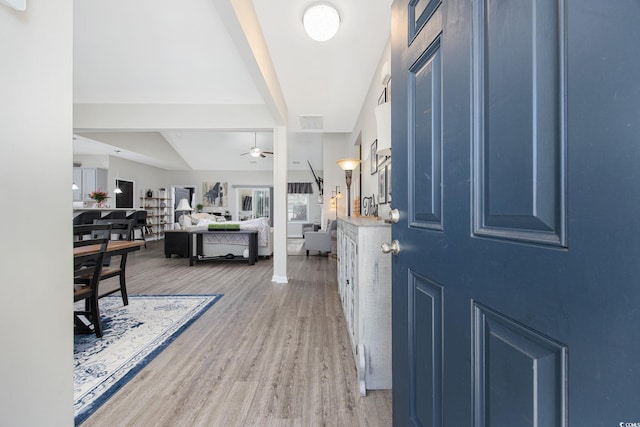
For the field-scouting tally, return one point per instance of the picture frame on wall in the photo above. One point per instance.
(388, 182)
(382, 186)
(374, 157)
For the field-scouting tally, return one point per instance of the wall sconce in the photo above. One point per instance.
(348, 165)
(335, 195)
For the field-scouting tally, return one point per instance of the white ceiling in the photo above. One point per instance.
(160, 55)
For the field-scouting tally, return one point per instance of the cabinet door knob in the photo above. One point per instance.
(393, 247)
(394, 215)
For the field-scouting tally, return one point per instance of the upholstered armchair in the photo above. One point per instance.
(320, 241)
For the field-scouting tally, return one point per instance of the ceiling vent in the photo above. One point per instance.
(77, 165)
(312, 122)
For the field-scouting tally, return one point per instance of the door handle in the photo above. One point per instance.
(393, 247)
(394, 216)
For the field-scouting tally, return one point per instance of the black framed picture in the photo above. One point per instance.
(388, 183)
(374, 157)
(382, 186)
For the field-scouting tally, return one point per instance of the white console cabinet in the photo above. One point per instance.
(364, 282)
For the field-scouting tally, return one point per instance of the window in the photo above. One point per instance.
(298, 208)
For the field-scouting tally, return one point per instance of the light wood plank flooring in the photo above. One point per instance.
(266, 354)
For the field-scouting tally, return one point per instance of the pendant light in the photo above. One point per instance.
(117, 190)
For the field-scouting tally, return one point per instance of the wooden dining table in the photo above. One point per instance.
(114, 247)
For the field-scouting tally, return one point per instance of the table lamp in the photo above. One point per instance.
(348, 165)
(183, 206)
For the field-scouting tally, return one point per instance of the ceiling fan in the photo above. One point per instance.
(255, 151)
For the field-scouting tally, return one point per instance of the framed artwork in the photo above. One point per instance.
(382, 186)
(374, 157)
(214, 194)
(388, 184)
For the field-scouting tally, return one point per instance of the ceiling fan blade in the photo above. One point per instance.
(262, 154)
(268, 152)
(244, 154)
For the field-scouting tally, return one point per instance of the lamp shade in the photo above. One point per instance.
(183, 205)
(348, 164)
(383, 124)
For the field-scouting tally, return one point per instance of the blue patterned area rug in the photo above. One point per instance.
(133, 336)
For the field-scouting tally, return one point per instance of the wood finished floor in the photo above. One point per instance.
(266, 354)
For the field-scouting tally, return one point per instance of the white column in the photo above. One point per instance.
(280, 174)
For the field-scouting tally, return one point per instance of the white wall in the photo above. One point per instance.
(144, 177)
(365, 129)
(36, 386)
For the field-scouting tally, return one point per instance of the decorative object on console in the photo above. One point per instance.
(348, 165)
(369, 206)
(183, 206)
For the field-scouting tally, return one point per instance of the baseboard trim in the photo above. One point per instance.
(280, 279)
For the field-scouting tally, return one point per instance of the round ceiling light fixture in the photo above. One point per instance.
(321, 21)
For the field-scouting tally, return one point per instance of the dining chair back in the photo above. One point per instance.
(124, 228)
(86, 277)
(140, 222)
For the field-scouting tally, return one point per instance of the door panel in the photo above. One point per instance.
(519, 374)
(419, 12)
(425, 89)
(515, 150)
(519, 141)
(425, 350)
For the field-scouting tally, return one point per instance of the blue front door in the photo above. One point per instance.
(516, 151)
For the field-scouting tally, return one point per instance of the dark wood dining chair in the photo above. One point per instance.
(121, 227)
(140, 221)
(84, 218)
(89, 267)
